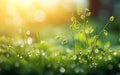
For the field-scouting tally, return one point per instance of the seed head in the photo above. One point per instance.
(88, 13)
(82, 17)
(111, 19)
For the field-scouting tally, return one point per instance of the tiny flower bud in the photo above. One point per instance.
(64, 41)
(79, 11)
(111, 19)
(88, 13)
(86, 9)
(82, 17)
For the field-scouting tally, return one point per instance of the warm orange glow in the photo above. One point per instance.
(39, 16)
(28, 12)
(25, 2)
(22, 3)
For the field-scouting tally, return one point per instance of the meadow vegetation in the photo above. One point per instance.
(75, 49)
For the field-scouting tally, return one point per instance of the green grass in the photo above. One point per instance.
(48, 56)
(78, 49)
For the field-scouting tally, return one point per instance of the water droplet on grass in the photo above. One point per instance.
(109, 57)
(38, 52)
(77, 70)
(28, 32)
(119, 65)
(42, 42)
(73, 65)
(43, 54)
(17, 64)
(18, 55)
(7, 55)
(74, 57)
(81, 70)
(110, 66)
(49, 65)
(96, 51)
(21, 57)
(100, 57)
(29, 41)
(62, 69)
(115, 53)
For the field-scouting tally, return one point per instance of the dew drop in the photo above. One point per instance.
(38, 52)
(81, 70)
(42, 42)
(79, 58)
(96, 51)
(28, 32)
(74, 57)
(62, 69)
(73, 65)
(77, 70)
(119, 39)
(7, 55)
(29, 41)
(43, 54)
(18, 55)
(17, 64)
(100, 57)
(109, 57)
(110, 67)
(115, 53)
(56, 54)
(49, 65)
(21, 57)
(119, 65)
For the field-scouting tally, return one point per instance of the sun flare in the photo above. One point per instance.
(25, 2)
(48, 4)
(21, 12)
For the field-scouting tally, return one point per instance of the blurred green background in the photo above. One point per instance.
(46, 15)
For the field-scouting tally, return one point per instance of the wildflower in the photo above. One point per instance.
(89, 30)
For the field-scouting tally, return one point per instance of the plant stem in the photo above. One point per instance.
(103, 28)
(93, 47)
(84, 24)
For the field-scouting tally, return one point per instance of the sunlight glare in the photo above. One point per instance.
(48, 4)
(25, 2)
(39, 16)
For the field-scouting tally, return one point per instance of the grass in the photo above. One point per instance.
(50, 57)
(60, 51)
